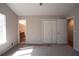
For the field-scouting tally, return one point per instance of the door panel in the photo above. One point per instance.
(61, 31)
(53, 26)
(47, 31)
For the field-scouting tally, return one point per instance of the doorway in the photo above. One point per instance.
(22, 31)
(70, 26)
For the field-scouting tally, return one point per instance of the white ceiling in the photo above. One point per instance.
(28, 9)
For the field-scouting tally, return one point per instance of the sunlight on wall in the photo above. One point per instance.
(2, 29)
(22, 21)
(71, 24)
(22, 25)
(26, 52)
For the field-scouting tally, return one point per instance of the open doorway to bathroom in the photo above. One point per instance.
(22, 31)
(70, 27)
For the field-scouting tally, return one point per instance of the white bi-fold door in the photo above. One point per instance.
(49, 31)
(61, 31)
(54, 31)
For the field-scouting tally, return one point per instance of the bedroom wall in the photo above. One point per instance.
(34, 29)
(11, 28)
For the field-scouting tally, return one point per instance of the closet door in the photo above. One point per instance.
(49, 31)
(53, 26)
(61, 31)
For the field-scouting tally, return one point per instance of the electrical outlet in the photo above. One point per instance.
(11, 43)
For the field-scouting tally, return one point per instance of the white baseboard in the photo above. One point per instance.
(76, 49)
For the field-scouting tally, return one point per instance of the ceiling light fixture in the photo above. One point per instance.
(41, 4)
